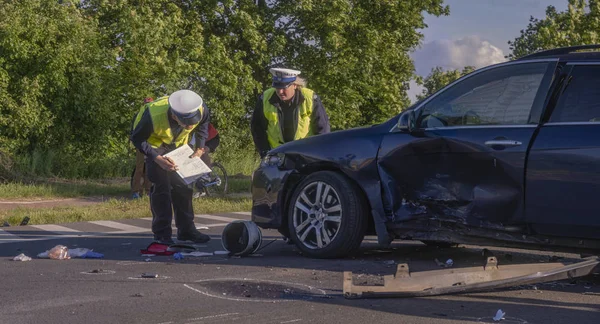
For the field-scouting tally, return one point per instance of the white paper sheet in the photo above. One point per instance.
(189, 169)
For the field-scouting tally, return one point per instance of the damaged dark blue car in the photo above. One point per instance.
(508, 155)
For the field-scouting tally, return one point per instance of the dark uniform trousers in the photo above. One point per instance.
(169, 194)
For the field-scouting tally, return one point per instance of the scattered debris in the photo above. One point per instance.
(486, 253)
(149, 275)
(59, 252)
(78, 252)
(25, 221)
(178, 256)
(196, 254)
(21, 257)
(137, 295)
(499, 315)
(158, 249)
(241, 238)
(390, 262)
(148, 260)
(185, 247)
(447, 264)
(100, 272)
(464, 280)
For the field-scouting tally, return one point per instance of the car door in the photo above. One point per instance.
(563, 171)
(465, 160)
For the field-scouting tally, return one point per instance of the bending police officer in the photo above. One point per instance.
(160, 127)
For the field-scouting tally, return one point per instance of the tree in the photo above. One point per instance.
(354, 52)
(51, 77)
(73, 73)
(438, 78)
(578, 25)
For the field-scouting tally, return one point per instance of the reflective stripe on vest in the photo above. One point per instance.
(303, 128)
(161, 133)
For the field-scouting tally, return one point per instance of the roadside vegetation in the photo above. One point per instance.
(114, 209)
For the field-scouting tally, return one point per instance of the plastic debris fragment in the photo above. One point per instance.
(499, 315)
(21, 257)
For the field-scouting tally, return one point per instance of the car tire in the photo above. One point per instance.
(339, 217)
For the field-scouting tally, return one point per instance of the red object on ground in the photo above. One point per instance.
(158, 249)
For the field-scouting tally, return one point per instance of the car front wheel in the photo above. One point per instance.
(327, 216)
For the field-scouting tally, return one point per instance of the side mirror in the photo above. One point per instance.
(407, 122)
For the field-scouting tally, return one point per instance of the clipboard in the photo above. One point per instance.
(189, 169)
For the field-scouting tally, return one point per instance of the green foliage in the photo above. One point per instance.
(72, 74)
(578, 25)
(354, 53)
(438, 78)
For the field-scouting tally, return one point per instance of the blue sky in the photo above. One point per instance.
(475, 33)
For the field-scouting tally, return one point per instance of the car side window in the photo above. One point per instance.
(499, 96)
(580, 100)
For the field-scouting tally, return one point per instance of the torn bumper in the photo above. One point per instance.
(267, 196)
(467, 280)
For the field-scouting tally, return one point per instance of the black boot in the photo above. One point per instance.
(163, 240)
(193, 235)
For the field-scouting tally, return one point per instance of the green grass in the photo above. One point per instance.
(237, 163)
(62, 188)
(115, 209)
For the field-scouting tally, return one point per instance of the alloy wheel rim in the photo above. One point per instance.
(317, 215)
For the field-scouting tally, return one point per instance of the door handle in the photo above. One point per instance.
(502, 143)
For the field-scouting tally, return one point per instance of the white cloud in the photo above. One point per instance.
(456, 54)
(453, 54)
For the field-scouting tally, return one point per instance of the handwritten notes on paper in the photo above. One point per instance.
(189, 169)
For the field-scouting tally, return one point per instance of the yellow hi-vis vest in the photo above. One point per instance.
(160, 121)
(303, 129)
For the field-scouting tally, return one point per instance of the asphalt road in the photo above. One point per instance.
(276, 286)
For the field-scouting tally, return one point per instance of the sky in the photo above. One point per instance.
(475, 33)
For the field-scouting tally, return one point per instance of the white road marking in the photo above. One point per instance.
(213, 225)
(211, 317)
(52, 232)
(243, 213)
(219, 218)
(8, 237)
(55, 228)
(292, 321)
(124, 228)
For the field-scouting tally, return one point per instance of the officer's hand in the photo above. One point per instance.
(166, 163)
(199, 152)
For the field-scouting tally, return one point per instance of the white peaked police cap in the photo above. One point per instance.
(282, 78)
(186, 105)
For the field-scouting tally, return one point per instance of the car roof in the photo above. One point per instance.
(570, 53)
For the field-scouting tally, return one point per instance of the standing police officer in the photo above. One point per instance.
(160, 127)
(286, 112)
